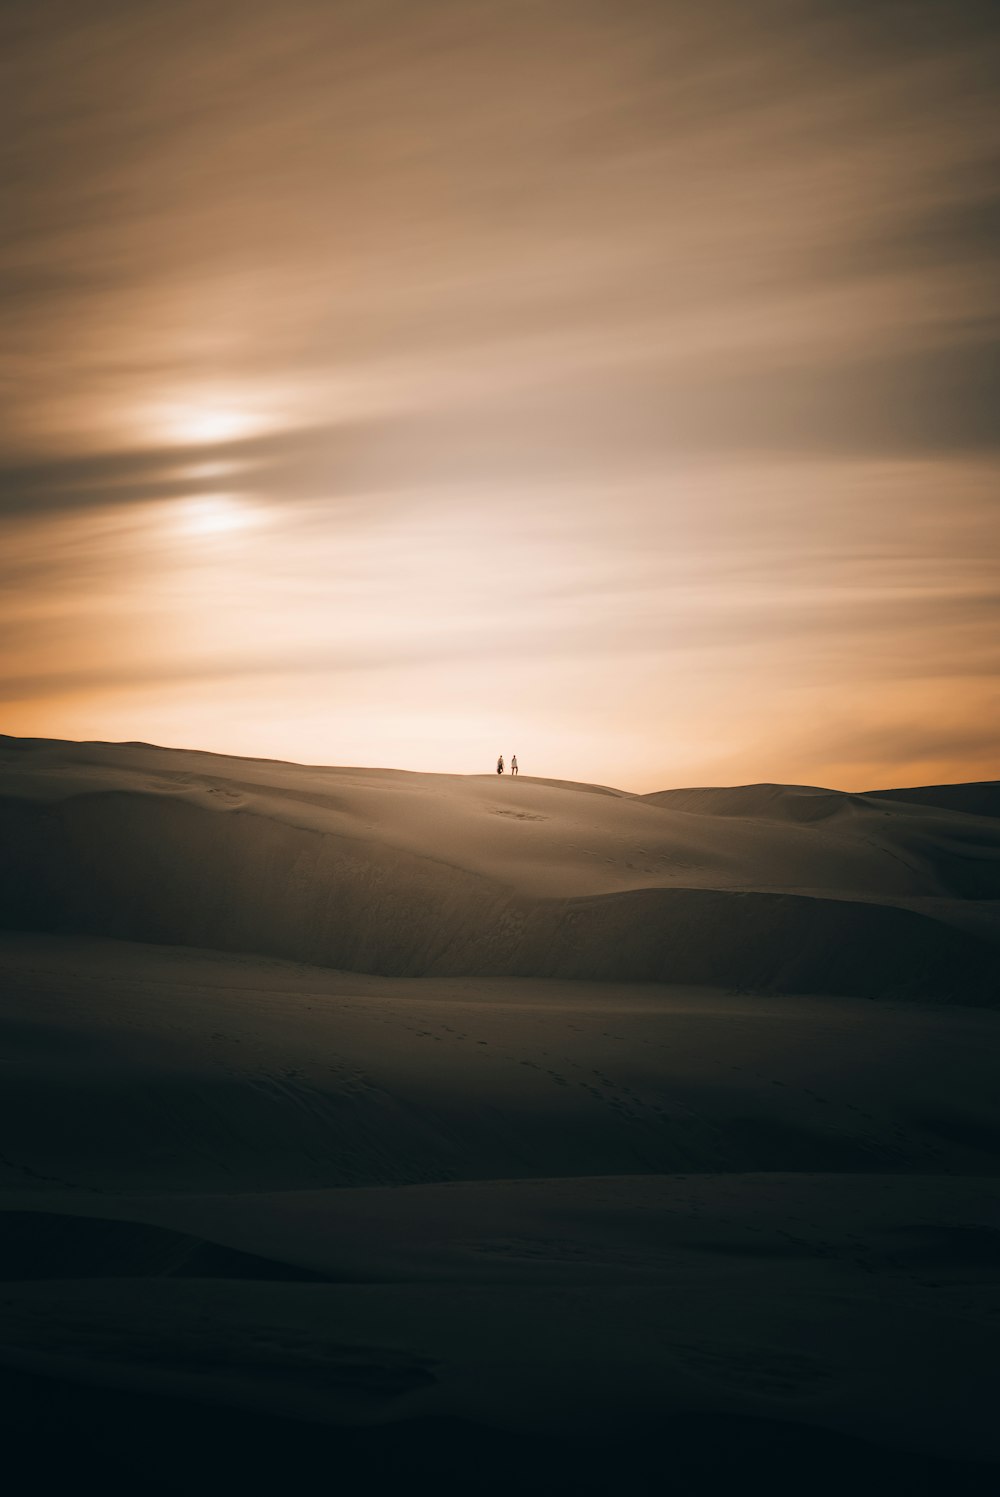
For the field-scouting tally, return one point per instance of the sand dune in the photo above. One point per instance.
(188, 1070)
(345, 1134)
(981, 799)
(781, 889)
(553, 1212)
(62, 1245)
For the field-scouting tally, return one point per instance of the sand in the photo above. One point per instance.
(496, 1208)
(436, 875)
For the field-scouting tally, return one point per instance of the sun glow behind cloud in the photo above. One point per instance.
(213, 514)
(201, 423)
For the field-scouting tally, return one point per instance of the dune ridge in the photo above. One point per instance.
(766, 888)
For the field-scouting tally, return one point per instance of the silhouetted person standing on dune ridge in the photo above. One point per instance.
(513, 764)
(500, 765)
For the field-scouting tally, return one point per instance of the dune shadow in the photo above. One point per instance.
(49, 1245)
(135, 1441)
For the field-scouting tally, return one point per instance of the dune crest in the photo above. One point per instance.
(768, 888)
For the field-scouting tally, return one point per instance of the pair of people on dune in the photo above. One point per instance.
(513, 764)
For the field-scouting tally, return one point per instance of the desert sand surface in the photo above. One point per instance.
(783, 889)
(362, 1130)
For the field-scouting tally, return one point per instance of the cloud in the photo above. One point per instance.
(640, 352)
(286, 465)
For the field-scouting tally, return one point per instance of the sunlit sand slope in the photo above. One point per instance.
(784, 889)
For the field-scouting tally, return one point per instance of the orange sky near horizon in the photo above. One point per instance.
(609, 383)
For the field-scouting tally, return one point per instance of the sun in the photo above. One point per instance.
(214, 514)
(203, 426)
(211, 422)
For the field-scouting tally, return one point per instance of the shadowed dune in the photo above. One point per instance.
(163, 1068)
(778, 802)
(554, 1218)
(812, 803)
(769, 888)
(982, 799)
(51, 1245)
(68, 1428)
(369, 1128)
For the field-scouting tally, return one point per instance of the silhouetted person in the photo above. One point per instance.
(513, 764)
(500, 765)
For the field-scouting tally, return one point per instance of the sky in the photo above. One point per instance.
(403, 382)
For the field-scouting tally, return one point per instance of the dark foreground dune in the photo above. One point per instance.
(486, 1213)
